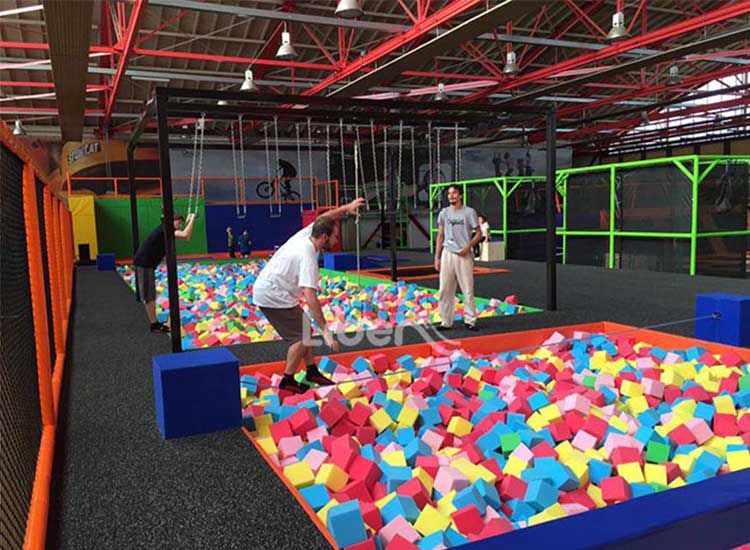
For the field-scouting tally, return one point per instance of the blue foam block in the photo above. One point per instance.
(105, 262)
(197, 392)
(316, 496)
(733, 325)
(345, 523)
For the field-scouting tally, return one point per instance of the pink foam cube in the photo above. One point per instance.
(576, 402)
(398, 526)
(643, 363)
(523, 453)
(289, 460)
(317, 434)
(584, 441)
(315, 458)
(700, 430)
(433, 440)
(652, 387)
(288, 446)
(449, 479)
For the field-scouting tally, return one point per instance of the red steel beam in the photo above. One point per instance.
(424, 26)
(127, 48)
(52, 111)
(695, 23)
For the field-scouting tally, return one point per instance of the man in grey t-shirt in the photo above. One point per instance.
(458, 234)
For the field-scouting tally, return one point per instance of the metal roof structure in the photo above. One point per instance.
(401, 49)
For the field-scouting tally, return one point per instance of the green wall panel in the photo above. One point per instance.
(114, 231)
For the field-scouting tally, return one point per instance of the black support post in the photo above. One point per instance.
(165, 173)
(133, 208)
(551, 242)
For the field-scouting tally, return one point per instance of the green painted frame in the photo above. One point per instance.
(505, 185)
(695, 167)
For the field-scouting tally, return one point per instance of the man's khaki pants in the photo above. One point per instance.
(455, 268)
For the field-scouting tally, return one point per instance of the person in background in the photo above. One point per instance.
(292, 273)
(149, 255)
(244, 241)
(230, 242)
(484, 227)
(454, 259)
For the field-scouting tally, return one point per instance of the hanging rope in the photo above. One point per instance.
(400, 155)
(457, 177)
(310, 160)
(242, 211)
(358, 145)
(276, 180)
(234, 171)
(385, 168)
(268, 168)
(328, 162)
(375, 163)
(356, 218)
(343, 158)
(437, 148)
(195, 178)
(431, 170)
(414, 166)
(299, 162)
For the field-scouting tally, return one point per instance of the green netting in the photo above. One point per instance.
(113, 228)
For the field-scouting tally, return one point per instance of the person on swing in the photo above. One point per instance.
(292, 273)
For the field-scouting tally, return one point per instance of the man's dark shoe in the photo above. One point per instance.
(443, 328)
(291, 385)
(316, 377)
(159, 328)
(472, 328)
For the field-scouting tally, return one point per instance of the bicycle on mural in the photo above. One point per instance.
(287, 172)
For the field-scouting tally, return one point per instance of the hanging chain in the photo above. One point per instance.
(375, 164)
(268, 166)
(400, 155)
(328, 154)
(414, 166)
(243, 194)
(361, 169)
(343, 158)
(431, 176)
(199, 176)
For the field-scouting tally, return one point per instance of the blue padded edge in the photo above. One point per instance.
(712, 514)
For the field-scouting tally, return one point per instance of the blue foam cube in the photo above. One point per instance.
(733, 323)
(345, 523)
(540, 495)
(400, 506)
(197, 392)
(316, 496)
(470, 496)
(105, 262)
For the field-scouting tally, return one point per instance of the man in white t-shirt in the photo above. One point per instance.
(292, 272)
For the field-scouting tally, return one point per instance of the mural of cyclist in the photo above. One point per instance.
(287, 172)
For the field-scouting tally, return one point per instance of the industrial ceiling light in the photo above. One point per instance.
(248, 85)
(674, 77)
(18, 129)
(441, 95)
(349, 9)
(286, 51)
(618, 30)
(222, 103)
(511, 64)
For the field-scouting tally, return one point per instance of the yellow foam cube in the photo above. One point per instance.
(564, 449)
(677, 482)
(445, 504)
(556, 511)
(557, 362)
(580, 469)
(738, 460)
(537, 422)
(474, 373)
(596, 495)
(637, 405)
(425, 478)
(431, 520)
(631, 389)
(515, 466)
(349, 389)
(685, 462)
(395, 395)
(300, 474)
(724, 404)
(380, 420)
(459, 426)
(686, 370)
(323, 512)
(332, 477)
(619, 424)
(407, 417)
(685, 409)
(669, 376)
(268, 446)
(551, 413)
(385, 500)
(395, 458)
(655, 473)
(631, 472)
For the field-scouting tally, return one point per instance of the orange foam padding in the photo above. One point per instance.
(403, 273)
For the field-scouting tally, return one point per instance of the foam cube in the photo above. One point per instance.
(300, 474)
(344, 521)
(332, 477)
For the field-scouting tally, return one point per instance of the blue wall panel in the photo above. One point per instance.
(265, 232)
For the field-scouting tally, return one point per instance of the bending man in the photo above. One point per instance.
(454, 258)
(292, 272)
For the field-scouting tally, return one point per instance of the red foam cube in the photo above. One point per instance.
(468, 520)
(625, 455)
(682, 435)
(430, 464)
(371, 515)
(366, 434)
(343, 427)
(359, 415)
(560, 431)
(414, 489)
(379, 362)
(511, 487)
(332, 412)
(725, 425)
(302, 421)
(366, 470)
(280, 430)
(615, 489)
(494, 527)
(400, 543)
(595, 426)
(368, 544)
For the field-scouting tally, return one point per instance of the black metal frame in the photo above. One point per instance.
(177, 102)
